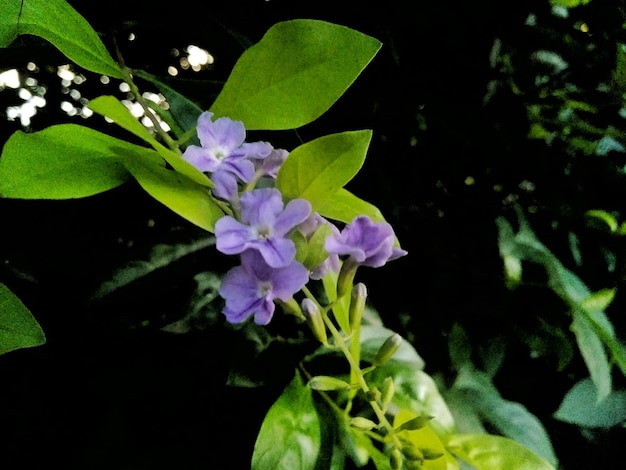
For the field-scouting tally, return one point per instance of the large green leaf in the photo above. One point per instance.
(294, 74)
(57, 22)
(488, 452)
(65, 161)
(316, 170)
(178, 192)
(290, 434)
(581, 407)
(18, 327)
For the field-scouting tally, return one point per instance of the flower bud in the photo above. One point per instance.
(416, 423)
(325, 383)
(314, 320)
(389, 389)
(395, 459)
(362, 424)
(431, 454)
(357, 305)
(412, 453)
(388, 349)
(346, 277)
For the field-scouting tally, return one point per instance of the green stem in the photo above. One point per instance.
(358, 374)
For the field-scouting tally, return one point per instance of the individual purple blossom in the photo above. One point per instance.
(271, 163)
(222, 147)
(367, 243)
(265, 223)
(250, 289)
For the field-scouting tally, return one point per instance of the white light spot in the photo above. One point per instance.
(198, 57)
(67, 106)
(10, 78)
(86, 112)
(105, 80)
(65, 73)
(124, 87)
(31, 66)
(30, 81)
(132, 37)
(173, 71)
(24, 94)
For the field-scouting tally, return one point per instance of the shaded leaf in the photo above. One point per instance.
(60, 24)
(18, 327)
(488, 452)
(581, 407)
(290, 434)
(294, 74)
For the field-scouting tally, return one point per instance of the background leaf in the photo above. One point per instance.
(581, 407)
(18, 327)
(57, 22)
(294, 74)
(318, 169)
(488, 452)
(65, 161)
(290, 434)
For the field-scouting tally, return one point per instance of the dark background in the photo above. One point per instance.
(111, 390)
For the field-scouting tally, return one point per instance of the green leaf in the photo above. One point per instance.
(178, 192)
(114, 109)
(593, 353)
(316, 170)
(57, 22)
(581, 407)
(65, 161)
(294, 74)
(289, 437)
(488, 452)
(510, 418)
(344, 206)
(18, 327)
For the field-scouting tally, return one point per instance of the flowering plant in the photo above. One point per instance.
(296, 235)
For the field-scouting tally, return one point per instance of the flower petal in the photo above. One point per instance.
(231, 236)
(296, 212)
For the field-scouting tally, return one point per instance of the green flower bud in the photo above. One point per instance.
(362, 424)
(326, 383)
(357, 305)
(388, 349)
(431, 454)
(389, 389)
(373, 394)
(314, 320)
(346, 277)
(395, 459)
(416, 423)
(412, 453)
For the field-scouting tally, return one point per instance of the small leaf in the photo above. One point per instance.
(580, 407)
(290, 434)
(318, 169)
(294, 74)
(60, 24)
(605, 217)
(178, 192)
(488, 452)
(421, 438)
(18, 327)
(344, 206)
(65, 161)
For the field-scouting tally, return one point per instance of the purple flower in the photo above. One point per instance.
(366, 242)
(308, 228)
(222, 147)
(270, 163)
(265, 222)
(250, 289)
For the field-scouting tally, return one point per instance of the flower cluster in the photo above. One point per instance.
(261, 227)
